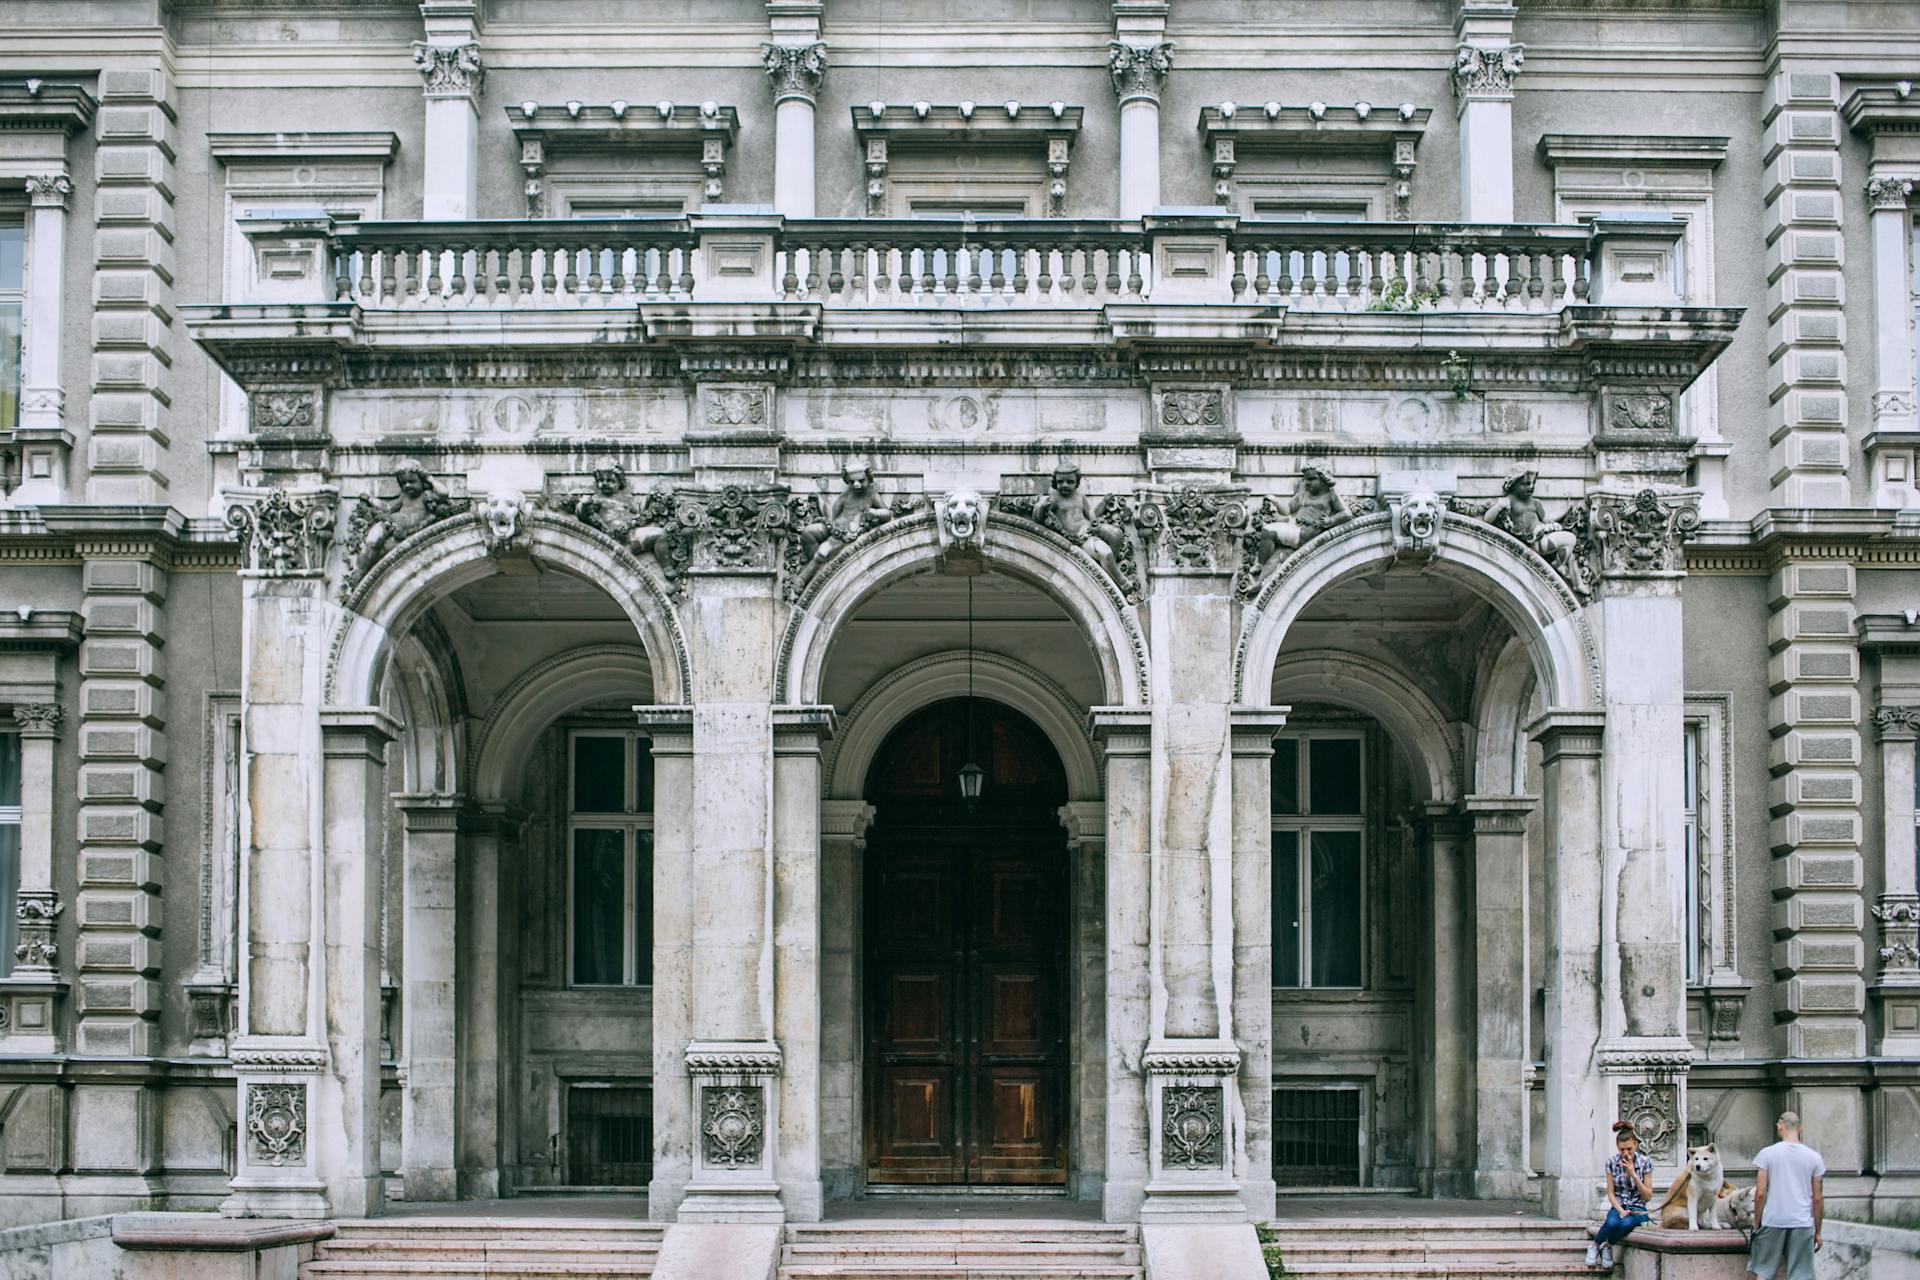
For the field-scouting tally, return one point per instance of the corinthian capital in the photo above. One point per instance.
(1139, 70)
(795, 69)
(49, 190)
(1486, 71)
(450, 70)
(1888, 193)
(38, 719)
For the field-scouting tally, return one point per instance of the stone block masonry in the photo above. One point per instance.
(133, 300)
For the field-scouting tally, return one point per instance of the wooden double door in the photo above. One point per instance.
(966, 1056)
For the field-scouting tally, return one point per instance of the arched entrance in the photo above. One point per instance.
(965, 954)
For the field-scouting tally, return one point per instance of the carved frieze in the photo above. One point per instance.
(1193, 527)
(1724, 1006)
(732, 529)
(1275, 531)
(1642, 535)
(1652, 1110)
(1896, 722)
(1631, 411)
(293, 412)
(1486, 71)
(276, 1123)
(1098, 528)
(1139, 70)
(795, 69)
(1899, 919)
(283, 535)
(450, 70)
(1193, 1127)
(732, 1125)
(642, 523)
(735, 408)
(1192, 411)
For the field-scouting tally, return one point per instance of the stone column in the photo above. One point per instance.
(449, 61)
(281, 1047)
(798, 733)
(1125, 737)
(1891, 468)
(843, 829)
(484, 845)
(1448, 999)
(1897, 989)
(1254, 729)
(1578, 1108)
(1139, 72)
(431, 1111)
(669, 730)
(796, 71)
(43, 397)
(1499, 932)
(346, 1101)
(1486, 61)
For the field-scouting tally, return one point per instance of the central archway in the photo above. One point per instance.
(965, 954)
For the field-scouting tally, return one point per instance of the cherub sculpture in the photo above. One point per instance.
(852, 514)
(613, 509)
(1070, 513)
(1315, 505)
(1518, 512)
(383, 524)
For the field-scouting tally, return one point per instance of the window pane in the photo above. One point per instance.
(9, 365)
(1286, 908)
(1336, 908)
(9, 770)
(599, 775)
(599, 906)
(1286, 775)
(13, 246)
(643, 778)
(643, 907)
(9, 886)
(1333, 775)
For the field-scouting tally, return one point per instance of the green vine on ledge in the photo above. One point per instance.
(1399, 296)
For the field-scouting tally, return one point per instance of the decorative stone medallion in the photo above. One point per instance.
(285, 411)
(277, 1123)
(731, 1125)
(1192, 1127)
(1652, 1110)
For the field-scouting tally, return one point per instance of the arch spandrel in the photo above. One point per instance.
(1524, 589)
(911, 544)
(542, 694)
(453, 552)
(1411, 718)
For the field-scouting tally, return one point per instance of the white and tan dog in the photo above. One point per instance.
(1697, 1196)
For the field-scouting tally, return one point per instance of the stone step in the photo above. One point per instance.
(497, 1228)
(1463, 1269)
(386, 1269)
(1415, 1250)
(981, 1255)
(915, 1229)
(453, 1250)
(936, 1271)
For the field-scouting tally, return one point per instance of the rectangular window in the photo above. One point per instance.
(609, 1135)
(13, 305)
(610, 856)
(1316, 1137)
(1690, 849)
(1319, 867)
(9, 847)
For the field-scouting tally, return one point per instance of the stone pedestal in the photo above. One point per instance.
(1653, 1253)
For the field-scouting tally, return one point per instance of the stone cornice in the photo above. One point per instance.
(39, 104)
(40, 629)
(1882, 108)
(1639, 150)
(379, 145)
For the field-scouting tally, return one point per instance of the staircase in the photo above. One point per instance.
(404, 1248)
(1418, 1248)
(979, 1249)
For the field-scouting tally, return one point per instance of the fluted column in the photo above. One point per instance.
(1139, 72)
(796, 71)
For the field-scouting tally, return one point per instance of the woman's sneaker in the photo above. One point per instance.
(1606, 1257)
(1593, 1255)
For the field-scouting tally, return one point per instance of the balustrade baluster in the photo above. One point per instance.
(1043, 277)
(1136, 282)
(1356, 275)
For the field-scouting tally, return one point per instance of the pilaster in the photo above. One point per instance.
(32, 995)
(1807, 370)
(430, 1106)
(1499, 930)
(799, 733)
(1252, 733)
(1485, 64)
(1897, 988)
(122, 798)
(1447, 1006)
(1814, 798)
(843, 831)
(133, 304)
(1894, 435)
(669, 731)
(42, 430)
(454, 73)
(1124, 736)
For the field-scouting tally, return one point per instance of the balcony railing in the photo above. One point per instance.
(944, 264)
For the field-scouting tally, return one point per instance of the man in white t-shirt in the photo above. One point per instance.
(1788, 1205)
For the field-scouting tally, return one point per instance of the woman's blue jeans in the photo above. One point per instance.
(1617, 1225)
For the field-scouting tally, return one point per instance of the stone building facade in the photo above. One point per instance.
(765, 601)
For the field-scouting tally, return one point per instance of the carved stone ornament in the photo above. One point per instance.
(1192, 1127)
(1418, 521)
(377, 525)
(1899, 933)
(795, 69)
(500, 517)
(1193, 527)
(283, 535)
(37, 911)
(1893, 404)
(1643, 534)
(1888, 192)
(1274, 532)
(731, 1125)
(49, 190)
(277, 1123)
(820, 533)
(1139, 70)
(963, 517)
(1896, 722)
(1652, 1111)
(732, 529)
(1486, 72)
(735, 406)
(1563, 543)
(39, 719)
(1097, 528)
(280, 412)
(642, 524)
(1640, 411)
(209, 1012)
(1724, 1006)
(1187, 411)
(450, 70)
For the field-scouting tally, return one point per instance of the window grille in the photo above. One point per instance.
(609, 1135)
(1316, 1137)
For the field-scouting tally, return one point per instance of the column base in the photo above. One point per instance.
(1173, 1202)
(31, 1003)
(276, 1201)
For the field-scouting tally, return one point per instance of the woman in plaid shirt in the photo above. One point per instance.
(1629, 1187)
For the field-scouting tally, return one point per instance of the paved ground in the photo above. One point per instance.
(1336, 1207)
(620, 1208)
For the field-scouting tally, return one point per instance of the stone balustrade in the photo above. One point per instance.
(1196, 257)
